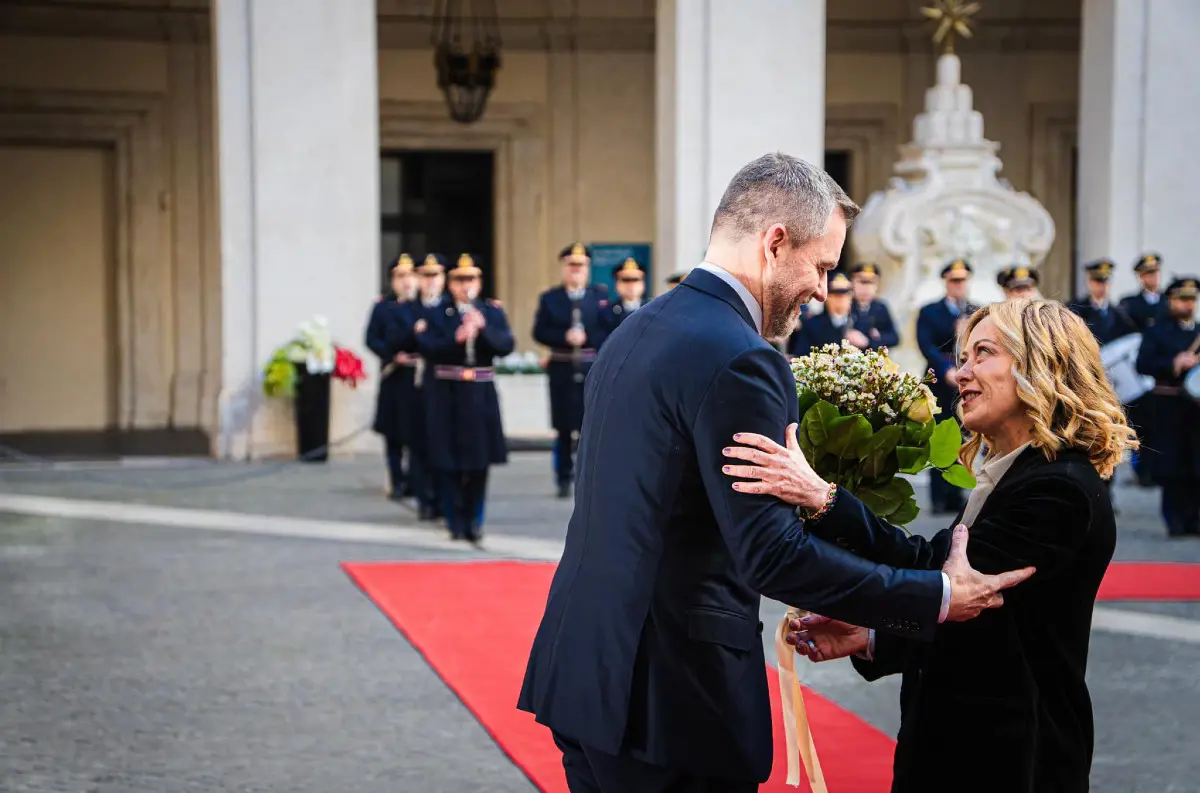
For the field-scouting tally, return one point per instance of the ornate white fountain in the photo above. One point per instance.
(945, 202)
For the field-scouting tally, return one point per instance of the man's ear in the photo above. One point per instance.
(774, 240)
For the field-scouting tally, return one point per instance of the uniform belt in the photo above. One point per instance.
(465, 374)
(1163, 389)
(407, 359)
(585, 355)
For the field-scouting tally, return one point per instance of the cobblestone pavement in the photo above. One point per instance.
(139, 657)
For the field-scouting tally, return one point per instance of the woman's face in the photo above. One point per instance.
(986, 384)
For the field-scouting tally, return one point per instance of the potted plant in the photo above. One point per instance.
(301, 369)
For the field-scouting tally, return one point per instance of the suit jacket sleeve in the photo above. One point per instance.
(769, 546)
(1041, 522)
(892, 656)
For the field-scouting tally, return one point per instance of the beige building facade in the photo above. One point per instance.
(183, 182)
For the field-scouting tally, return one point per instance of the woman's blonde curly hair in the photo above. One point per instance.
(1060, 380)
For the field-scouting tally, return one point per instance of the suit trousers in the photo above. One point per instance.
(589, 770)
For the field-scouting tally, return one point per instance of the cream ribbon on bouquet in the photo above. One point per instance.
(796, 732)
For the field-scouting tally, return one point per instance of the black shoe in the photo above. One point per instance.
(564, 490)
(475, 535)
(407, 491)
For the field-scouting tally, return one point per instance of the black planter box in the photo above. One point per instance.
(312, 416)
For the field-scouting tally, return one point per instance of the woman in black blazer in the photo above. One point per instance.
(998, 703)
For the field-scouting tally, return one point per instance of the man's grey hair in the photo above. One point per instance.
(779, 188)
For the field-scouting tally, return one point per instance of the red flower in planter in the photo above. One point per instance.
(348, 367)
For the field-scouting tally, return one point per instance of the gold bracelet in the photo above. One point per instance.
(830, 500)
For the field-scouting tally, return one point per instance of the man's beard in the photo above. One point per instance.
(781, 308)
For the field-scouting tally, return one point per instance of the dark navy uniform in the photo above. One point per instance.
(1106, 321)
(466, 435)
(423, 476)
(822, 329)
(557, 312)
(1145, 308)
(872, 319)
(389, 336)
(937, 335)
(1171, 442)
(618, 308)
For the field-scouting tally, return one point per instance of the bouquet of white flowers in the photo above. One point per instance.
(863, 422)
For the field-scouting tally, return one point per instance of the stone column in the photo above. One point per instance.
(1139, 103)
(725, 97)
(298, 169)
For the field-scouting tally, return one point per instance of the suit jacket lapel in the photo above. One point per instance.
(709, 284)
(1030, 458)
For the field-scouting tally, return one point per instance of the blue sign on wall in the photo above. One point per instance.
(608, 256)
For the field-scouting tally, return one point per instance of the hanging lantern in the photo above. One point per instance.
(466, 40)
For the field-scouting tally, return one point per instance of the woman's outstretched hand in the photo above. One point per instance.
(822, 639)
(776, 470)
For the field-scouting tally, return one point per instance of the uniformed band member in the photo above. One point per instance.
(676, 278)
(389, 336)
(1146, 307)
(1171, 447)
(832, 325)
(466, 436)
(568, 321)
(871, 320)
(425, 480)
(1018, 282)
(1106, 321)
(631, 288)
(937, 336)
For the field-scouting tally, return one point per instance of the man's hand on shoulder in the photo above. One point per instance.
(970, 590)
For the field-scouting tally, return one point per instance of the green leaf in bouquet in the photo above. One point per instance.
(944, 444)
(876, 451)
(817, 424)
(917, 433)
(846, 435)
(906, 513)
(959, 476)
(807, 400)
(912, 459)
(884, 500)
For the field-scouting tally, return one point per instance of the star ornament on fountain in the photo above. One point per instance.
(953, 19)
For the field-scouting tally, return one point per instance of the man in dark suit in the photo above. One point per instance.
(1172, 441)
(870, 316)
(937, 334)
(568, 321)
(832, 325)
(631, 287)
(1106, 321)
(648, 665)
(1147, 306)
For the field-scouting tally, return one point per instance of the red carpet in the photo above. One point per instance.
(474, 623)
(1151, 581)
